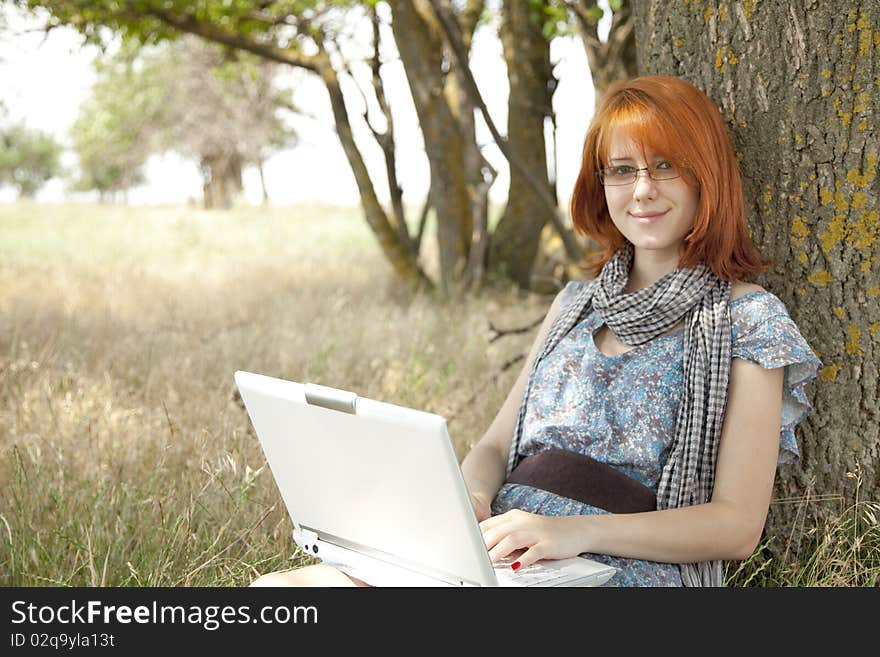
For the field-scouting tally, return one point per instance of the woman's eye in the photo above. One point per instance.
(622, 170)
(663, 165)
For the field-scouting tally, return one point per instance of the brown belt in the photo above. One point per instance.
(585, 479)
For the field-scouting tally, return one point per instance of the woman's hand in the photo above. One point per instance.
(542, 537)
(481, 505)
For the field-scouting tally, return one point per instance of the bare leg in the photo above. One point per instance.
(316, 575)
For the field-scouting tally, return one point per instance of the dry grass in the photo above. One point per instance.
(125, 459)
(841, 548)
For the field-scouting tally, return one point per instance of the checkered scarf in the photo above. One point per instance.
(701, 298)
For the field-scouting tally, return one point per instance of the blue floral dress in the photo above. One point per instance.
(621, 410)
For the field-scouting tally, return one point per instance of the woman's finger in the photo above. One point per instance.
(507, 545)
(533, 554)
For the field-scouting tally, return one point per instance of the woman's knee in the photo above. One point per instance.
(316, 575)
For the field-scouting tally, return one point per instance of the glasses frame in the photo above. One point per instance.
(600, 174)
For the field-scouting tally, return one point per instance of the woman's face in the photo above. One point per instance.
(653, 215)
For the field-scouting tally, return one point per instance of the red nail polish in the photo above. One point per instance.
(515, 565)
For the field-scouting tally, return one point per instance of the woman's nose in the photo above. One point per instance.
(644, 186)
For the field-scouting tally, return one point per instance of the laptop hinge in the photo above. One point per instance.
(305, 538)
(335, 400)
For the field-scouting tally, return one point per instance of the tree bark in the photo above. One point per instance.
(221, 180)
(797, 83)
(420, 45)
(527, 54)
(479, 174)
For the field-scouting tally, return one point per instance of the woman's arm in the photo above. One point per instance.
(727, 527)
(485, 465)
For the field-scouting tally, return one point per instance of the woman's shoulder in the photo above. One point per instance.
(741, 288)
(751, 305)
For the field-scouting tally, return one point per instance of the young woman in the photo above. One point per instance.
(645, 428)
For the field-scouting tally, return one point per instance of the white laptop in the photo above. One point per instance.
(376, 490)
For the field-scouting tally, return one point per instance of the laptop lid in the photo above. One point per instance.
(369, 475)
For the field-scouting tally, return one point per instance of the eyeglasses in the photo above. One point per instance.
(624, 174)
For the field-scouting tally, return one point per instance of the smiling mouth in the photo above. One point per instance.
(649, 218)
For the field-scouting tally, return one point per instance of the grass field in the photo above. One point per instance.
(125, 458)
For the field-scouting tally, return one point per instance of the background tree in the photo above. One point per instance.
(186, 96)
(220, 108)
(530, 76)
(446, 118)
(28, 158)
(797, 83)
(116, 129)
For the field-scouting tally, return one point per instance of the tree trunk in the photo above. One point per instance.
(398, 254)
(420, 44)
(265, 200)
(479, 174)
(527, 53)
(797, 83)
(221, 180)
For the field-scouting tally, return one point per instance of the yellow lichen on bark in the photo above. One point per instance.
(725, 56)
(860, 179)
(863, 232)
(835, 232)
(839, 312)
(829, 372)
(863, 102)
(799, 228)
(855, 334)
(821, 278)
(864, 27)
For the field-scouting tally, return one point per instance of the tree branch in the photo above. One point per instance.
(497, 333)
(190, 24)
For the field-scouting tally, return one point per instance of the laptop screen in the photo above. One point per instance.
(385, 477)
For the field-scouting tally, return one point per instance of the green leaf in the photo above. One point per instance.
(595, 13)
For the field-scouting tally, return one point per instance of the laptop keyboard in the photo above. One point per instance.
(531, 575)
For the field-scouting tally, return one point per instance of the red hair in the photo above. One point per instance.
(671, 117)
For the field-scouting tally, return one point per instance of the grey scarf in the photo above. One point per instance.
(701, 298)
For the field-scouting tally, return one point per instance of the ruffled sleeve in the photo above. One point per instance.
(763, 332)
(569, 292)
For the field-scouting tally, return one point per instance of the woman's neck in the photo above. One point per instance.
(649, 266)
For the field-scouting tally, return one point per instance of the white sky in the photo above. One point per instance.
(43, 80)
